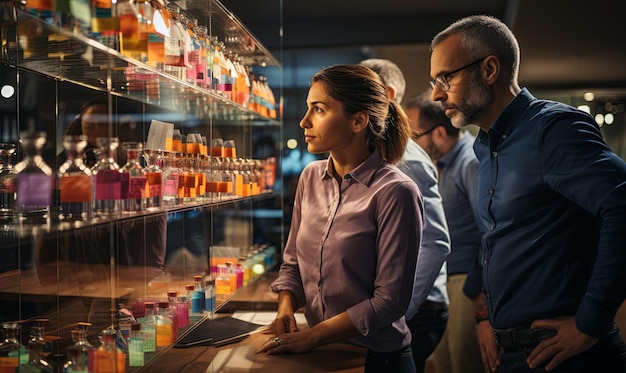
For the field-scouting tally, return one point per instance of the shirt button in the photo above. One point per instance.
(494, 154)
(491, 191)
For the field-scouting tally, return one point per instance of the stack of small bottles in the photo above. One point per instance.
(188, 170)
(161, 35)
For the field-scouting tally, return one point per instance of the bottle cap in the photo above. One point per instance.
(172, 293)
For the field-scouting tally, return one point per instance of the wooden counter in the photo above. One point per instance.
(240, 357)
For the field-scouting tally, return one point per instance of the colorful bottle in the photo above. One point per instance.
(173, 313)
(148, 328)
(154, 173)
(75, 181)
(198, 302)
(164, 326)
(7, 181)
(108, 358)
(134, 179)
(9, 348)
(222, 284)
(210, 295)
(34, 178)
(182, 310)
(107, 179)
(78, 353)
(136, 354)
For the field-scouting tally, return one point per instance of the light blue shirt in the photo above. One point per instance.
(430, 273)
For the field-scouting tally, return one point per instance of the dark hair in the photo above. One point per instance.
(360, 89)
(431, 112)
(390, 73)
(482, 36)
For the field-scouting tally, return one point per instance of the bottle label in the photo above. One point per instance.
(9, 362)
(137, 187)
(75, 188)
(108, 185)
(163, 335)
(155, 180)
(33, 189)
(136, 356)
(149, 339)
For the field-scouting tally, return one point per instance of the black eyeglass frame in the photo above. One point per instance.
(416, 135)
(441, 81)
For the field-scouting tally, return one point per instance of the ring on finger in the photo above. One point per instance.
(279, 341)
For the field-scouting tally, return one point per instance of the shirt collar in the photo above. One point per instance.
(362, 173)
(449, 157)
(503, 126)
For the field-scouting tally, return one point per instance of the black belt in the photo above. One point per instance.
(428, 305)
(516, 339)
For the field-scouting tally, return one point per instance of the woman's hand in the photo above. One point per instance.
(284, 323)
(288, 343)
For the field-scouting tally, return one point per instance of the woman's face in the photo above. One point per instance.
(326, 126)
(94, 123)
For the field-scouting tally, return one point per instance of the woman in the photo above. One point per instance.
(356, 227)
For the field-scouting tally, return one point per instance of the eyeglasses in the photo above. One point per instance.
(416, 135)
(441, 81)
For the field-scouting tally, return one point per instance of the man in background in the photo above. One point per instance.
(452, 152)
(427, 314)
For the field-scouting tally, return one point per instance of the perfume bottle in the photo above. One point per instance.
(7, 181)
(36, 346)
(172, 312)
(171, 177)
(34, 178)
(108, 358)
(78, 352)
(154, 173)
(75, 181)
(107, 179)
(134, 179)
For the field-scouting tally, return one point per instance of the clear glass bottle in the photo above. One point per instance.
(136, 354)
(36, 346)
(173, 313)
(108, 358)
(154, 173)
(134, 179)
(198, 298)
(75, 181)
(34, 178)
(210, 295)
(171, 177)
(222, 284)
(78, 352)
(107, 179)
(7, 181)
(182, 310)
(10, 348)
(148, 328)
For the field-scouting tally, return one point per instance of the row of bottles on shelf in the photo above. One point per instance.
(165, 178)
(161, 36)
(153, 324)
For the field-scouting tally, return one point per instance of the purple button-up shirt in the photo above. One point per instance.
(353, 247)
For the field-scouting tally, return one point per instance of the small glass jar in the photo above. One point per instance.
(34, 178)
(75, 181)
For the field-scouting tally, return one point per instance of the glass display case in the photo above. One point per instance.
(140, 151)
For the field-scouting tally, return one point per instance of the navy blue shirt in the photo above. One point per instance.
(553, 197)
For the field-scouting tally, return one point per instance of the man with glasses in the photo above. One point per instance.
(553, 197)
(451, 150)
(427, 314)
